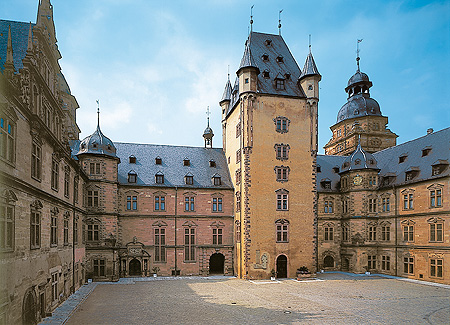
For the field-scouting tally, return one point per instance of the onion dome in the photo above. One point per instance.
(97, 143)
(358, 160)
(208, 134)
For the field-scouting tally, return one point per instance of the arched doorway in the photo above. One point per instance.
(216, 263)
(345, 264)
(328, 261)
(282, 266)
(135, 267)
(29, 309)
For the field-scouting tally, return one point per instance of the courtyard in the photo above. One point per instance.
(334, 298)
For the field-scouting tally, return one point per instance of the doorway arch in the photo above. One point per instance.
(282, 266)
(328, 261)
(216, 263)
(29, 308)
(134, 267)
(345, 264)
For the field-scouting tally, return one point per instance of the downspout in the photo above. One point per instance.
(73, 242)
(242, 220)
(175, 218)
(396, 229)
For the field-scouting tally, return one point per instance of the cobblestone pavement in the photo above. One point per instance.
(335, 298)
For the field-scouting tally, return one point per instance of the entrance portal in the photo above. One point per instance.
(29, 309)
(282, 266)
(216, 263)
(328, 261)
(345, 264)
(135, 267)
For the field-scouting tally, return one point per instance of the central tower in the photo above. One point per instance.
(269, 120)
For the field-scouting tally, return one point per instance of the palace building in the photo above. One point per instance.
(264, 204)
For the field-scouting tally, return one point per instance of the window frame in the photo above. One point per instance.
(92, 232)
(7, 220)
(282, 231)
(436, 268)
(217, 204)
(217, 234)
(159, 202)
(99, 267)
(55, 174)
(189, 244)
(36, 161)
(159, 234)
(35, 228)
(408, 265)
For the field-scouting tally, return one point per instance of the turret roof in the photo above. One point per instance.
(310, 68)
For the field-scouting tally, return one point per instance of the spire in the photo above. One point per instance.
(30, 40)
(9, 63)
(310, 68)
(227, 91)
(251, 18)
(208, 133)
(98, 114)
(247, 60)
(45, 10)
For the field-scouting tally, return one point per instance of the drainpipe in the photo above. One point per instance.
(73, 242)
(396, 228)
(175, 218)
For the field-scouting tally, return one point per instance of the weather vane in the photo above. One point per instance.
(98, 111)
(279, 21)
(251, 18)
(357, 51)
(309, 43)
(208, 113)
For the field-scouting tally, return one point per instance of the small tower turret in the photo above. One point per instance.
(310, 77)
(248, 70)
(208, 134)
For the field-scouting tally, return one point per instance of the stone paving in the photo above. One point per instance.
(336, 298)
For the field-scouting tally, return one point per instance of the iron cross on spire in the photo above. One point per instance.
(251, 18)
(208, 113)
(279, 21)
(98, 112)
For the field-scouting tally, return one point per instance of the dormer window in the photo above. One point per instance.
(158, 161)
(280, 59)
(336, 169)
(326, 184)
(189, 179)
(266, 74)
(438, 167)
(132, 177)
(402, 159)
(159, 178)
(357, 162)
(132, 159)
(265, 57)
(345, 164)
(411, 173)
(426, 151)
(319, 169)
(212, 163)
(217, 180)
(94, 145)
(287, 76)
(371, 161)
(186, 162)
(268, 42)
(280, 84)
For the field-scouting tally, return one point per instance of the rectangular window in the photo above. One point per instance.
(408, 265)
(160, 245)
(328, 233)
(372, 205)
(160, 203)
(282, 201)
(436, 268)
(75, 232)
(55, 174)
(345, 206)
(217, 204)
(75, 189)
(189, 242)
(35, 231)
(279, 84)
(66, 182)
(237, 174)
(386, 263)
(238, 201)
(7, 140)
(435, 198)
(436, 232)
(238, 129)
(54, 231)
(328, 206)
(282, 173)
(371, 262)
(92, 198)
(238, 155)
(66, 231)
(55, 286)
(93, 232)
(281, 151)
(345, 233)
(386, 233)
(217, 236)
(6, 227)
(408, 201)
(189, 203)
(99, 267)
(94, 168)
(131, 202)
(408, 233)
(386, 204)
(36, 161)
(282, 233)
(372, 233)
(159, 179)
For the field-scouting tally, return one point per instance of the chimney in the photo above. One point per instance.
(429, 131)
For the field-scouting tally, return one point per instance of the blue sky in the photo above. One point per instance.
(157, 65)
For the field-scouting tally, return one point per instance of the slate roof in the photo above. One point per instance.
(256, 47)
(172, 165)
(357, 106)
(19, 38)
(310, 68)
(388, 160)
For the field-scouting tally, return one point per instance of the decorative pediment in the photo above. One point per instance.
(66, 215)
(407, 191)
(159, 193)
(282, 191)
(90, 220)
(435, 220)
(37, 204)
(54, 211)
(408, 222)
(189, 223)
(9, 195)
(159, 223)
(435, 186)
(218, 224)
(282, 221)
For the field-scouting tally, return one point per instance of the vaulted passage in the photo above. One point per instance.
(29, 309)
(135, 267)
(216, 263)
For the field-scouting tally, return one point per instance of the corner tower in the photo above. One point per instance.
(360, 119)
(269, 125)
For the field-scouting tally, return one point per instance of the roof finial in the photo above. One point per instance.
(357, 52)
(228, 72)
(208, 113)
(251, 18)
(98, 113)
(279, 22)
(309, 43)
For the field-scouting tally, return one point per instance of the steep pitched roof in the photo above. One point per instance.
(310, 67)
(19, 37)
